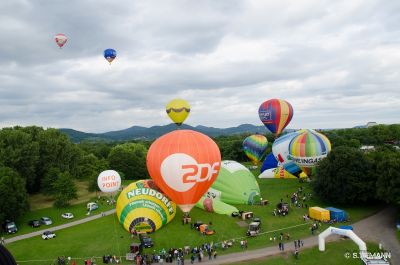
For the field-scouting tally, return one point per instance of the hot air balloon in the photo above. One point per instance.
(275, 114)
(235, 184)
(269, 162)
(178, 110)
(254, 147)
(142, 207)
(308, 148)
(216, 206)
(110, 55)
(280, 172)
(61, 39)
(280, 149)
(109, 181)
(184, 164)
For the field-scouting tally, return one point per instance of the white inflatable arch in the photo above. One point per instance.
(343, 232)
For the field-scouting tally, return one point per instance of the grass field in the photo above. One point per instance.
(106, 235)
(333, 255)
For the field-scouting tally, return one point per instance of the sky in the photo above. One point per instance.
(336, 62)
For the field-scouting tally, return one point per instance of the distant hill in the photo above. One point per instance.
(138, 132)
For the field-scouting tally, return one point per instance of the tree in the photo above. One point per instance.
(129, 159)
(345, 176)
(13, 195)
(388, 172)
(18, 151)
(64, 190)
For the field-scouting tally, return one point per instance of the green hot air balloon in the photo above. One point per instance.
(235, 184)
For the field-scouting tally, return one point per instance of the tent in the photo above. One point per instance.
(337, 214)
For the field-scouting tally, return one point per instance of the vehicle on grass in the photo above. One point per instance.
(205, 230)
(10, 227)
(146, 241)
(92, 206)
(48, 235)
(67, 215)
(46, 220)
(283, 208)
(197, 225)
(34, 223)
(257, 220)
(254, 229)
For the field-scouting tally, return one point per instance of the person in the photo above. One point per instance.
(296, 253)
(192, 258)
(215, 254)
(283, 246)
(295, 244)
(3, 242)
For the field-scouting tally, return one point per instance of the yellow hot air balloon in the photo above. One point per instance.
(178, 110)
(143, 207)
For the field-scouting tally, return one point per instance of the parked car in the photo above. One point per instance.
(146, 240)
(67, 215)
(46, 221)
(92, 206)
(34, 223)
(48, 235)
(9, 227)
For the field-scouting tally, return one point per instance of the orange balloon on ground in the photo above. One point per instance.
(184, 164)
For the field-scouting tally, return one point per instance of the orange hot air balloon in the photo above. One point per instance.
(184, 164)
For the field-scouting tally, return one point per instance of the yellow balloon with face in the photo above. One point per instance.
(178, 110)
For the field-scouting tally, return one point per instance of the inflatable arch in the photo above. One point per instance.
(342, 232)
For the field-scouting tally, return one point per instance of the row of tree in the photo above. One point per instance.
(33, 159)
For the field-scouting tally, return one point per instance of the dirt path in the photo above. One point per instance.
(377, 228)
(55, 228)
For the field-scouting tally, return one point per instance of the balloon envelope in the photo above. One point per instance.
(143, 207)
(275, 114)
(60, 39)
(280, 149)
(235, 184)
(109, 181)
(308, 148)
(184, 164)
(110, 55)
(254, 147)
(215, 206)
(178, 110)
(269, 162)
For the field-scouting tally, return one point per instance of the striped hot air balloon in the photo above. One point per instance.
(308, 148)
(143, 207)
(254, 147)
(280, 149)
(275, 114)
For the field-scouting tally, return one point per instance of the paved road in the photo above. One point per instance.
(55, 228)
(377, 228)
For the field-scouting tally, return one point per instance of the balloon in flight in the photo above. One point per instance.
(184, 164)
(254, 146)
(60, 39)
(275, 114)
(178, 110)
(110, 55)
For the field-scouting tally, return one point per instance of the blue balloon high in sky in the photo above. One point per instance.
(110, 55)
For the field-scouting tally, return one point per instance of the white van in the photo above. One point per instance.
(92, 206)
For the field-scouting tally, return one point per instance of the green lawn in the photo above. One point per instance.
(79, 211)
(106, 235)
(333, 255)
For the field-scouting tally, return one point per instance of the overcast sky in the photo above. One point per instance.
(336, 62)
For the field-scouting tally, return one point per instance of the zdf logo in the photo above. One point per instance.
(181, 172)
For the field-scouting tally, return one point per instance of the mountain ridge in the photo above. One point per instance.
(149, 133)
